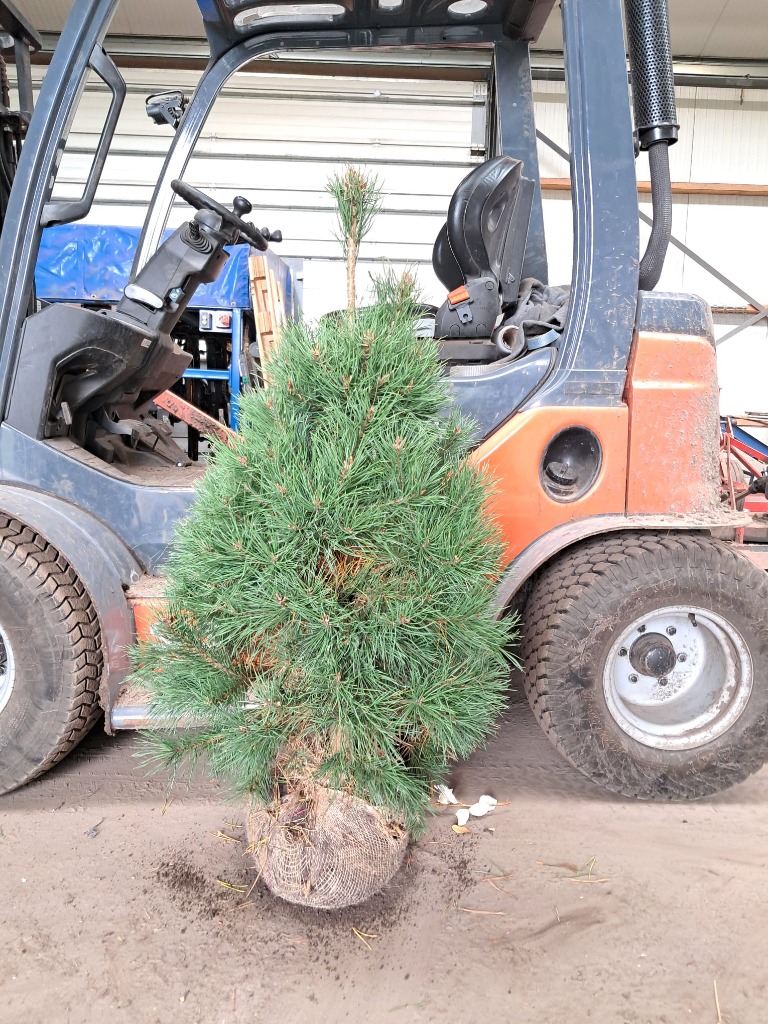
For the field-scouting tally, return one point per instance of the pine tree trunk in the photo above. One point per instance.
(351, 267)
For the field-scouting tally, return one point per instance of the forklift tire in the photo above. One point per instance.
(645, 661)
(50, 656)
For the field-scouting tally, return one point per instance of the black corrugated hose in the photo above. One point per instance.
(652, 262)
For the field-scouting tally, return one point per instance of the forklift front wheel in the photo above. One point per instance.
(50, 656)
(645, 661)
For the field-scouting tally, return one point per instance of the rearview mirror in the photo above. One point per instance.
(166, 107)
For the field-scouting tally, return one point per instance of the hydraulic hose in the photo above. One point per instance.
(652, 262)
(653, 98)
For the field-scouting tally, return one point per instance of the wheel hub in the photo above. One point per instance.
(677, 678)
(652, 654)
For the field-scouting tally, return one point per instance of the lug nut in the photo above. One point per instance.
(641, 629)
(633, 679)
(663, 681)
(682, 657)
(622, 652)
(671, 630)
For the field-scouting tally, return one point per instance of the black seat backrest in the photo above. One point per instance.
(487, 228)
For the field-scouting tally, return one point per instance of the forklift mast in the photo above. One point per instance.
(19, 40)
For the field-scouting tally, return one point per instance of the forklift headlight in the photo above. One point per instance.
(570, 464)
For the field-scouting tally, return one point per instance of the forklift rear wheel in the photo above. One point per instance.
(645, 661)
(50, 656)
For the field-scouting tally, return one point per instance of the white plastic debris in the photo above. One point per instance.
(462, 816)
(445, 795)
(483, 805)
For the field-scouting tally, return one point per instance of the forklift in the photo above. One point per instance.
(644, 635)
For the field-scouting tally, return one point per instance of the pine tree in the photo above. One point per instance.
(358, 198)
(330, 593)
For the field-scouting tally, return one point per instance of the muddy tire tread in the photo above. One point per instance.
(48, 571)
(572, 586)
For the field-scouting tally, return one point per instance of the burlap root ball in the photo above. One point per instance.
(325, 849)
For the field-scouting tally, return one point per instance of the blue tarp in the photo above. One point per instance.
(92, 263)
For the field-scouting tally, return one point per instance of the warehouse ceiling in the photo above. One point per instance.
(730, 29)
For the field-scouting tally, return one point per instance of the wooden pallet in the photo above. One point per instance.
(268, 308)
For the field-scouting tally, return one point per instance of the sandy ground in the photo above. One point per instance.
(112, 907)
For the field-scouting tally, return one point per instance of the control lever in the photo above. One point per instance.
(241, 207)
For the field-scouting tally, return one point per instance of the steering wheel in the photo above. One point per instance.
(200, 201)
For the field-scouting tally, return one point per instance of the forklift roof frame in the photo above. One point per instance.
(591, 361)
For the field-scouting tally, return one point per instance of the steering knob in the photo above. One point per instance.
(245, 231)
(241, 206)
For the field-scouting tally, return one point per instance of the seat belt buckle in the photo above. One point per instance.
(460, 302)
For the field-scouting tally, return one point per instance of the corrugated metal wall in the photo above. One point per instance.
(276, 139)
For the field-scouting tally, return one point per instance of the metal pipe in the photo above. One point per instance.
(650, 58)
(682, 78)
(23, 76)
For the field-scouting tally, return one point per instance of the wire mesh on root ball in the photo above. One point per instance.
(330, 630)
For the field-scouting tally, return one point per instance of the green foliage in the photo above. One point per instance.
(330, 592)
(358, 201)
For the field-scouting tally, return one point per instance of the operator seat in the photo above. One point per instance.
(478, 254)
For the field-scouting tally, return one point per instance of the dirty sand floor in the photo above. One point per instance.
(112, 907)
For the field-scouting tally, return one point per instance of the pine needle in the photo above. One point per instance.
(239, 906)
(717, 1003)
(582, 874)
(364, 936)
(253, 884)
(588, 880)
(228, 885)
(224, 837)
(589, 867)
(557, 864)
